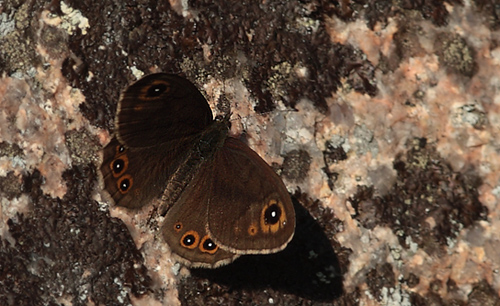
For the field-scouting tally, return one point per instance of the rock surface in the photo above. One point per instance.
(382, 117)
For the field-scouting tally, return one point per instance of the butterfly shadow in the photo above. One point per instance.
(308, 267)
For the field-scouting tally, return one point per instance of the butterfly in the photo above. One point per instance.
(220, 198)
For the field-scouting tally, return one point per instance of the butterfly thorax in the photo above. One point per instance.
(203, 150)
(211, 140)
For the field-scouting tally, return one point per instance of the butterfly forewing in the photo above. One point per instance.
(160, 108)
(135, 176)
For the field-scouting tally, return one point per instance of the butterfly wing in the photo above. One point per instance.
(161, 108)
(159, 119)
(135, 176)
(245, 205)
(249, 209)
(236, 203)
(184, 228)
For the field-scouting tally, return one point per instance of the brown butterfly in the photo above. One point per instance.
(221, 199)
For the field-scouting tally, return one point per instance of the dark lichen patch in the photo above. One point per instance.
(451, 286)
(18, 27)
(10, 185)
(432, 299)
(430, 9)
(203, 292)
(344, 9)
(82, 146)
(10, 150)
(68, 247)
(359, 72)
(429, 203)
(412, 280)
(382, 276)
(224, 104)
(10, 5)
(332, 177)
(296, 165)
(365, 207)
(456, 55)
(332, 154)
(435, 285)
(19, 285)
(491, 10)
(378, 11)
(54, 40)
(483, 294)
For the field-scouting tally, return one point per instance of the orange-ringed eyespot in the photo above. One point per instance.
(118, 165)
(208, 246)
(190, 239)
(124, 183)
(177, 226)
(272, 214)
(156, 90)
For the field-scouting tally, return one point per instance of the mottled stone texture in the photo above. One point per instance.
(382, 117)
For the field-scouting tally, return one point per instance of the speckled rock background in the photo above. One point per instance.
(382, 117)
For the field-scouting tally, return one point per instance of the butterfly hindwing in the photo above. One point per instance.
(249, 210)
(185, 228)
